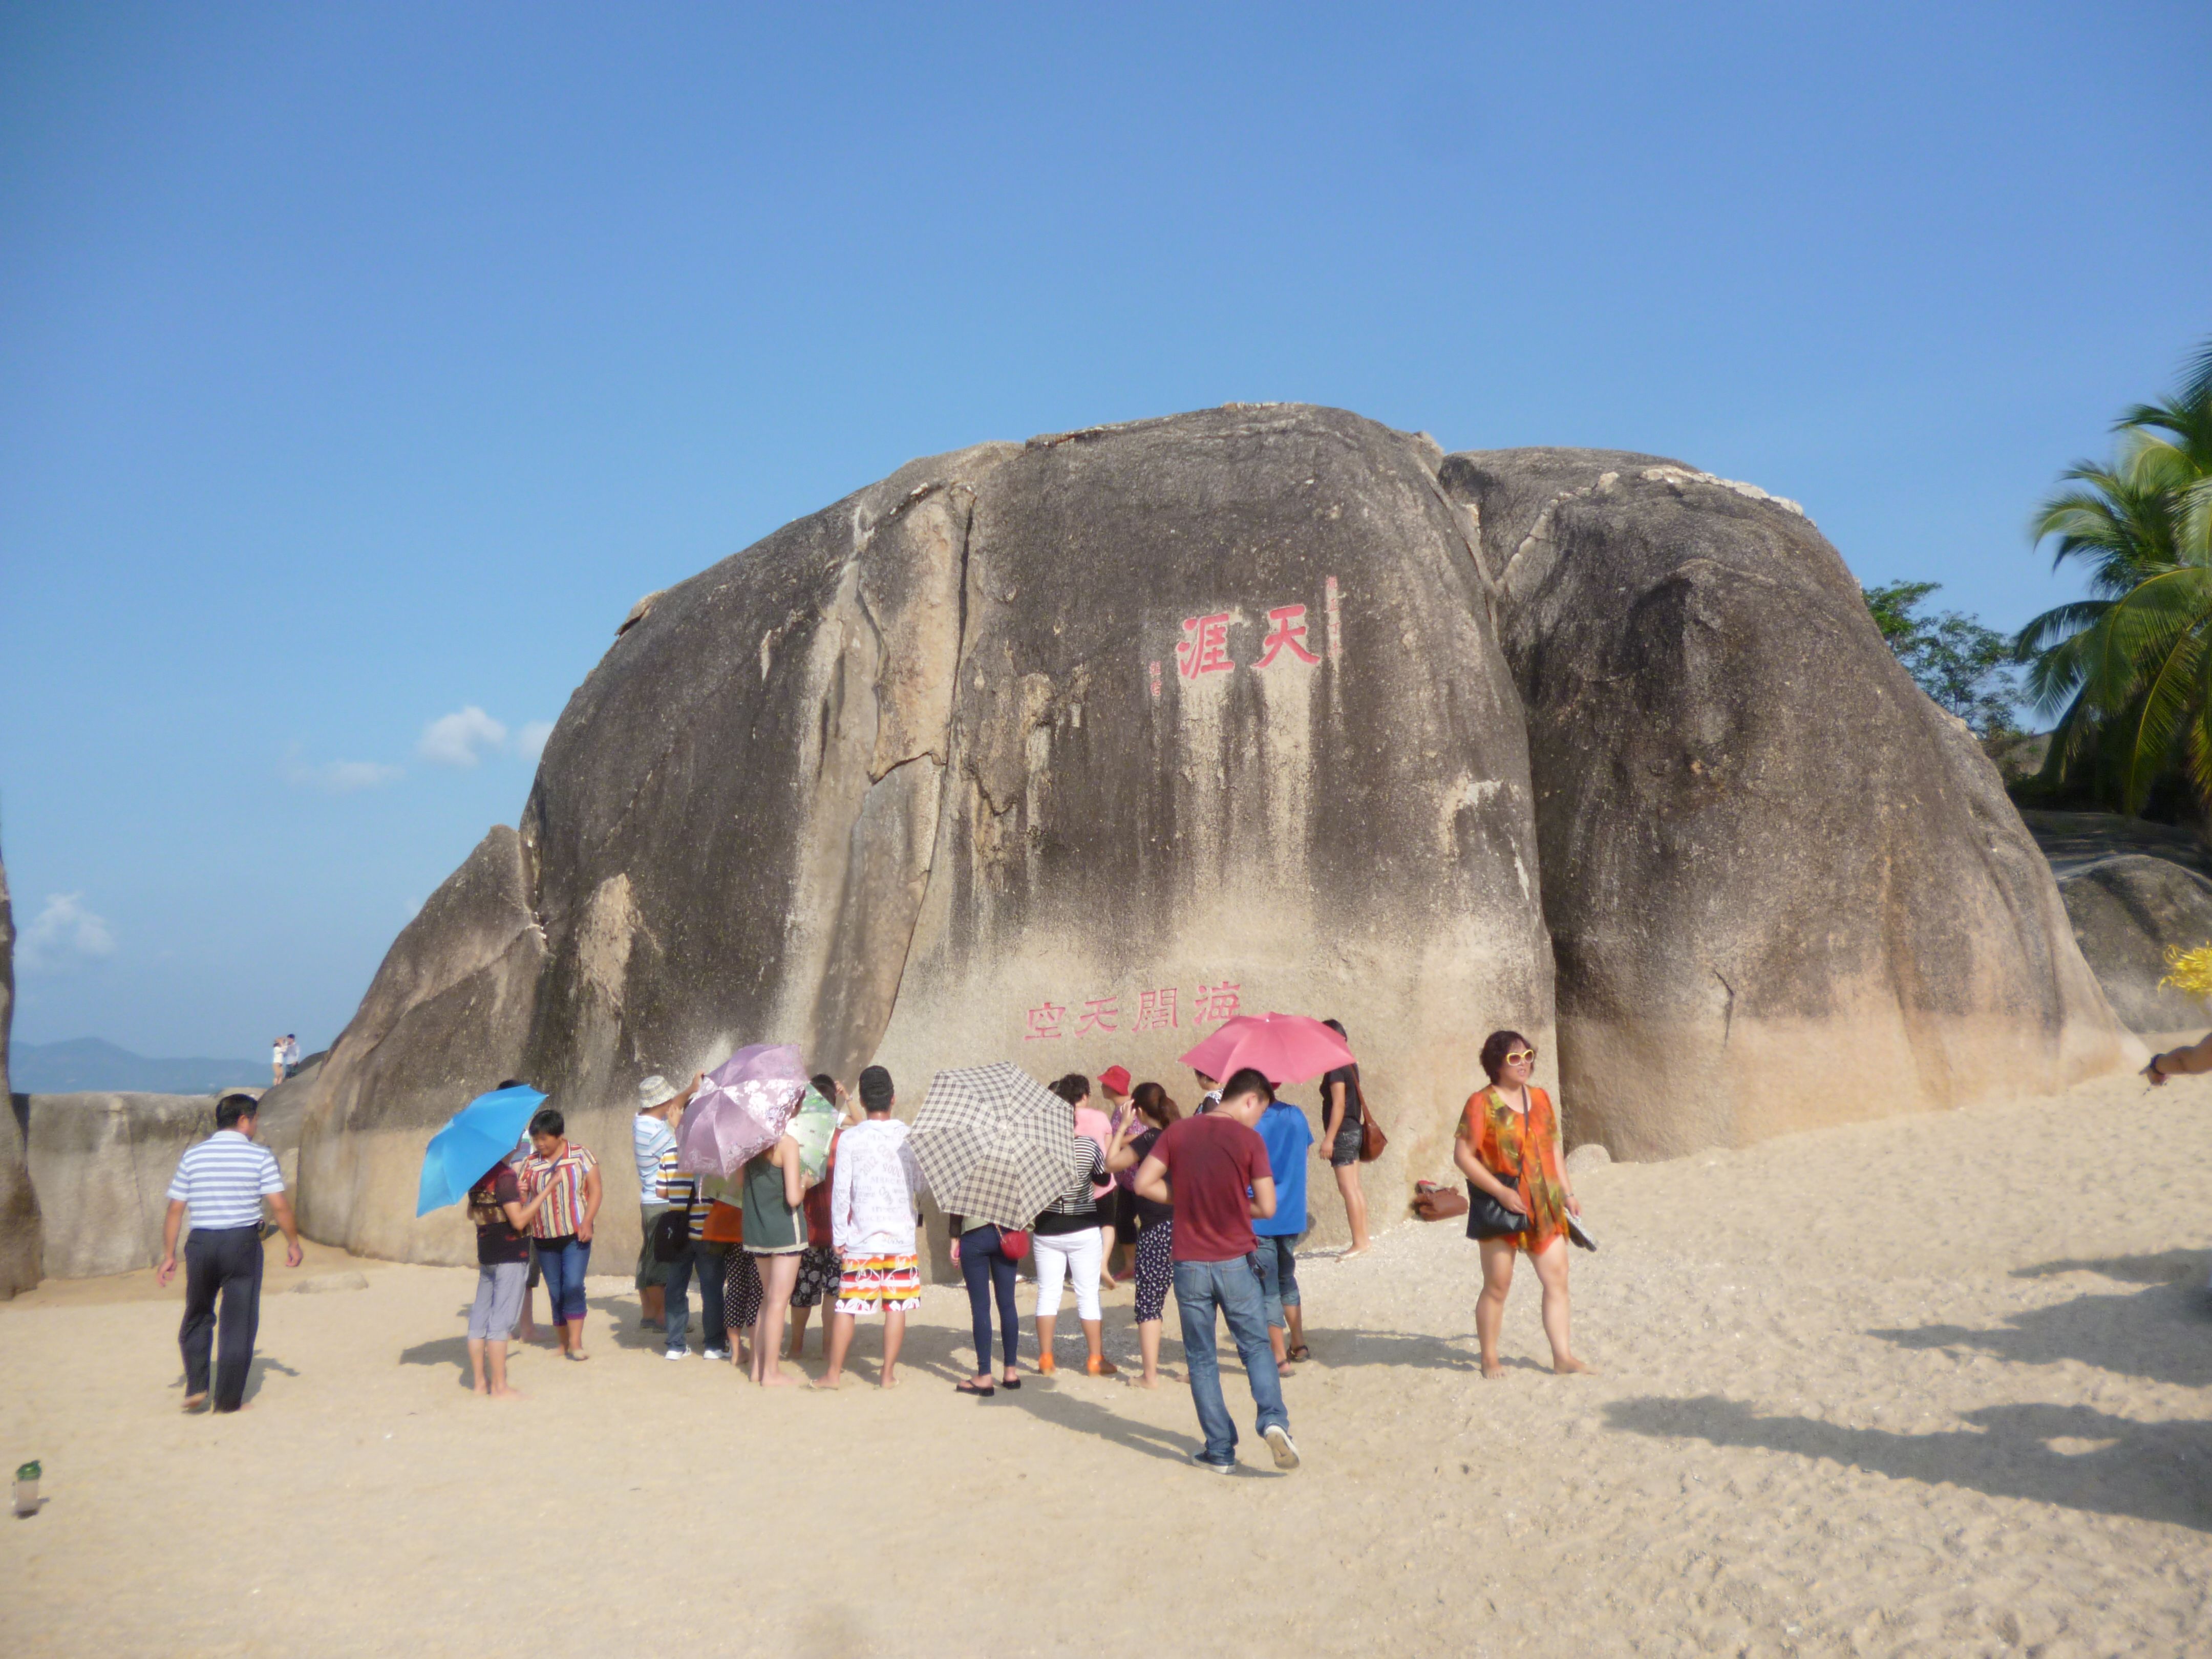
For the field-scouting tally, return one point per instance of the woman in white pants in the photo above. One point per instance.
(1067, 1238)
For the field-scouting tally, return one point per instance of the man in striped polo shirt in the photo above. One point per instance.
(222, 1181)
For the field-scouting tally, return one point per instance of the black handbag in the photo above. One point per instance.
(1487, 1219)
(671, 1234)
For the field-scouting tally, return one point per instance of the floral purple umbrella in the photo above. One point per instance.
(740, 1109)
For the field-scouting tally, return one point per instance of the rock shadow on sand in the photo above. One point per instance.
(2073, 1457)
(2161, 1332)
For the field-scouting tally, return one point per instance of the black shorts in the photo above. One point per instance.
(1345, 1149)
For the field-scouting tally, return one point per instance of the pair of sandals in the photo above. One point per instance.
(966, 1385)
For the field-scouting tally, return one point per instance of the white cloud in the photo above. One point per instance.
(65, 933)
(462, 739)
(337, 777)
(530, 741)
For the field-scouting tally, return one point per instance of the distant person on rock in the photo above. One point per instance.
(1214, 1170)
(222, 1183)
(562, 1229)
(502, 1273)
(874, 1189)
(1344, 1117)
(291, 1054)
(1289, 1137)
(276, 1061)
(1507, 1146)
(1155, 1225)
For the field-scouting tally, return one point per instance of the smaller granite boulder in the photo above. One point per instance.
(2127, 912)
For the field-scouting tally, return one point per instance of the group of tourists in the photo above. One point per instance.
(1212, 1205)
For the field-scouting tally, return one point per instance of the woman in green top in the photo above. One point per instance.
(773, 1184)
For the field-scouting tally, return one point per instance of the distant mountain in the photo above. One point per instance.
(83, 1063)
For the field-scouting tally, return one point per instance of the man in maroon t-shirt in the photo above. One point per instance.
(1213, 1169)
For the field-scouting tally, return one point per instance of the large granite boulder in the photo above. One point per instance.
(447, 1018)
(102, 1164)
(2127, 912)
(19, 1201)
(1784, 888)
(1063, 751)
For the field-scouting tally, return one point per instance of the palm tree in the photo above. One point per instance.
(2129, 670)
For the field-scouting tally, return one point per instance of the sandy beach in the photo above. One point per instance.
(1929, 1386)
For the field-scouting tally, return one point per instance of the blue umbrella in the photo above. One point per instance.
(477, 1137)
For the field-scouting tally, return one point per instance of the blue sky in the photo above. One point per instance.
(360, 366)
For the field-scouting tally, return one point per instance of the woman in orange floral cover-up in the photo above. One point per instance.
(1508, 1146)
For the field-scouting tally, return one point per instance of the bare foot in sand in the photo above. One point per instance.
(194, 1401)
(1491, 1370)
(1147, 1382)
(1571, 1367)
(825, 1381)
(779, 1381)
(508, 1394)
(889, 1380)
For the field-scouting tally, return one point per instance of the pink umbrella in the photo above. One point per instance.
(1284, 1048)
(740, 1109)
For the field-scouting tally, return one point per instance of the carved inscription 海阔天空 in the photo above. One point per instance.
(1158, 1010)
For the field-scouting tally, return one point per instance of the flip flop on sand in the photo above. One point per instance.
(969, 1387)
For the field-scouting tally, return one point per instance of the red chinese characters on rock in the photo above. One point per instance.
(1216, 1002)
(1289, 633)
(1204, 648)
(1159, 1010)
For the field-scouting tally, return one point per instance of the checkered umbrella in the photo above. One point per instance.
(993, 1143)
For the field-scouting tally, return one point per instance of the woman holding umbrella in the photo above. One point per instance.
(503, 1271)
(774, 1185)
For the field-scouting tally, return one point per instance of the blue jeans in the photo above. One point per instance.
(1277, 1259)
(1234, 1287)
(706, 1260)
(564, 1261)
(988, 1268)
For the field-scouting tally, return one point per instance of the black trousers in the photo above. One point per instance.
(229, 1262)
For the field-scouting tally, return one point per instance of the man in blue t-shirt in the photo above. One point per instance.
(1288, 1136)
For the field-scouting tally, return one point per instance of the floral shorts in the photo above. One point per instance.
(892, 1283)
(817, 1275)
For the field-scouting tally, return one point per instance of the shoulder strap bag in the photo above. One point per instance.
(1485, 1217)
(1372, 1140)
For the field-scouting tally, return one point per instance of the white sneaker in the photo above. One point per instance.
(678, 1353)
(1286, 1450)
(722, 1354)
